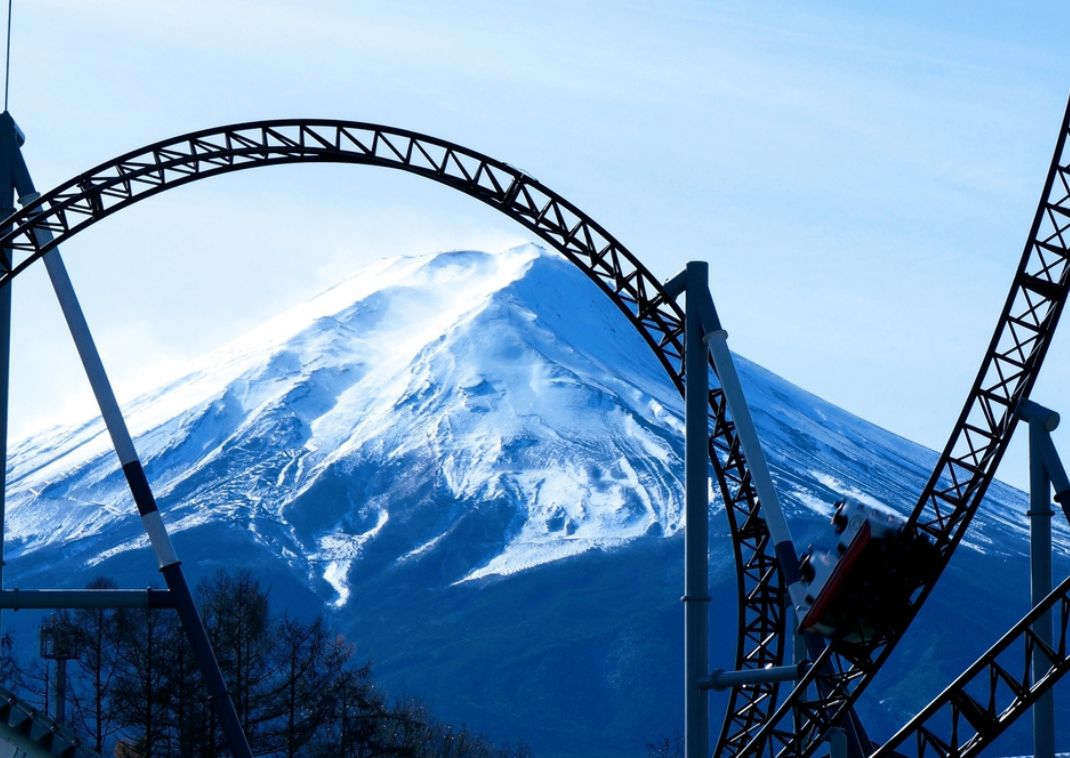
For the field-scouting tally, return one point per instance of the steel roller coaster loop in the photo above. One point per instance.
(753, 725)
(113, 185)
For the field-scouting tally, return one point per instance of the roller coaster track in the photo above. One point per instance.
(753, 725)
(998, 688)
(89, 197)
(967, 464)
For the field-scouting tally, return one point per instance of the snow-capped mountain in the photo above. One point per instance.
(475, 461)
(467, 374)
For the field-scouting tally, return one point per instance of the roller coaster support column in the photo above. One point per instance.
(702, 320)
(1045, 471)
(716, 339)
(10, 139)
(145, 501)
(696, 520)
(837, 739)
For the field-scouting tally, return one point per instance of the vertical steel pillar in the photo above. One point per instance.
(716, 340)
(837, 740)
(10, 139)
(696, 519)
(1041, 423)
(799, 652)
(5, 373)
(134, 472)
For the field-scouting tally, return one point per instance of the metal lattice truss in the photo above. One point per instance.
(994, 691)
(946, 505)
(966, 465)
(116, 184)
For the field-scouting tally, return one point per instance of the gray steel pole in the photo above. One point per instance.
(717, 342)
(5, 372)
(799, 651)
(145, 501)
(1053, 466)
(696, 520)
(722, 680)
(16, 599)
(1040, 513)
(716, 339)
(10, 138)
(837, 739)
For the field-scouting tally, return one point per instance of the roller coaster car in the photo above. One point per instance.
(864, 585)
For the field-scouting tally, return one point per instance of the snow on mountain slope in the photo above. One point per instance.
(422, 446)
(504, 386)
(483, 372)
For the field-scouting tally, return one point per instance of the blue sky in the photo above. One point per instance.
(861, 176)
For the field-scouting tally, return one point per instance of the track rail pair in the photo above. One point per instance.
(998, 688)
(108, 188)
(753, 725)
(968, 462)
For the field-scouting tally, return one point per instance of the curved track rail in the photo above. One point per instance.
(118, 183)
(945, 507)
(967, 464)
(996, 689)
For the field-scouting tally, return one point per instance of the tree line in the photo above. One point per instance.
(134, 688)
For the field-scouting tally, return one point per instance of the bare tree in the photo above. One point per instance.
(97, 665)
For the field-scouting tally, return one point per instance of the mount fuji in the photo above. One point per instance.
(474, 463)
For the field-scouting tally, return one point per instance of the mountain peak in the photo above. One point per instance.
(461, 415)
(487, 377)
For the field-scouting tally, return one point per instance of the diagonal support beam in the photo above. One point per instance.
(144, 499)
(702, 319)
(123, 443)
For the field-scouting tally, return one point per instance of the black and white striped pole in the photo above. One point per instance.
(123, 443)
